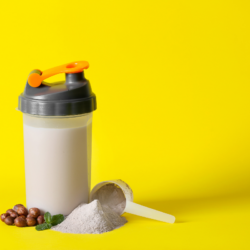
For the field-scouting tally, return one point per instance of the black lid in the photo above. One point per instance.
(71, 97)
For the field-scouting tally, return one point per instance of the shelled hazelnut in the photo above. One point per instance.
(40, 219)
(3, 216)
(13, 214)
(9, 211)
(34, 212)
(20, 222)
(16, 207)
(21, 217)
(31, 221)
(9, 220)
(22, 211)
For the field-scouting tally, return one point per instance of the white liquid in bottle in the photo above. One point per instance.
(57, 162)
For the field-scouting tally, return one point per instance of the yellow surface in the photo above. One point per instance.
(172, 85)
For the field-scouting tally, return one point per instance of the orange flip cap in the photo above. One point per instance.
(35, 79)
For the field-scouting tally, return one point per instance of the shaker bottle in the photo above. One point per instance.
(57, 124)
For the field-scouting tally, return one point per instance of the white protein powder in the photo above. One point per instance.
(91, 218)
(111, 196)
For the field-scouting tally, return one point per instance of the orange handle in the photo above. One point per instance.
(35, 79)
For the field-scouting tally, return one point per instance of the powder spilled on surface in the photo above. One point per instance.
(92, 218)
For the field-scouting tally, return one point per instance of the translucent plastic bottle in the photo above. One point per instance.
(57, 122)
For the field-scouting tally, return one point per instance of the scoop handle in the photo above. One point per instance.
(150, 213)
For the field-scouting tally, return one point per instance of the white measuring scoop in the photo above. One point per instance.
(132, 207)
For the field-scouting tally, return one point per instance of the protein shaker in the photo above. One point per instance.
(57, 123)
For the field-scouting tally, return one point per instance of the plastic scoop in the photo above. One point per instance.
(130, 206)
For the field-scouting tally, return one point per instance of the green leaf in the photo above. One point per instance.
(43, 226)
(47, 217)
(57, 219)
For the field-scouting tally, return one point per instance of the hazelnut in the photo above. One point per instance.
(22, 211)
(3, 216)
(9, 220)
(16, 206)
(40, 219)
(20, 222)
(34, 212)
(31, 221)
(13, 214)
(9, 211)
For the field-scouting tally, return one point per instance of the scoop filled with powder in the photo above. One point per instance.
(118, 196)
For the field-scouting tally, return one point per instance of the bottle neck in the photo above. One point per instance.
(75, 78)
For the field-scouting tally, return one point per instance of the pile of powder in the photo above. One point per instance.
(92, 218)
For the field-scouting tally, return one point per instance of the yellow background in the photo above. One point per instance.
(172, 86)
